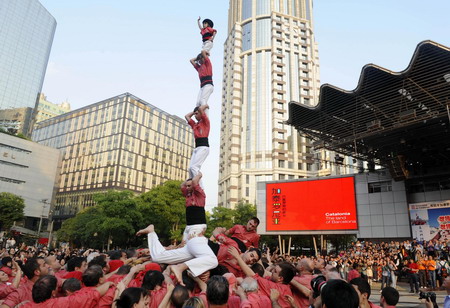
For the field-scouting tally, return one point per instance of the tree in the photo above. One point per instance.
(243, 212)
(11, 209)
(220, 217)
(164, 207)
(114, 219)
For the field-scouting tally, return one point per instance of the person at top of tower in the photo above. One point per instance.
(201, 133)
(207, 32)
(204, 68)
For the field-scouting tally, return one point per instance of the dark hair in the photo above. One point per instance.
(98, 260)
(196, 109)
(75, 262)
(391, 296)
(188, 281)
(337, 293)
(209, 22)
(130, 296)
(362, 284)
(115, 254)
(91, 276)
(219, 270)
(257, 251)
(6, 260)
(152, 279)
(287, 272)
(71, 285)
(131, 252)
(124, 269)
(258, 269)
(256, 220)
(179, 295)
(30, 266)
(43, 288)
(217, 290)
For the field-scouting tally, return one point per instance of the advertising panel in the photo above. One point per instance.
(430, 220)
(327, 204)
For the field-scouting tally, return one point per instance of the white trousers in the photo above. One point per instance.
(207, 45)
(196, 254)
(197, 159)
(203, 96)
(193, 231)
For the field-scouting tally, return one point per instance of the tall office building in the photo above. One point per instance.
(271, 58)
(26, 36)
(119, 143)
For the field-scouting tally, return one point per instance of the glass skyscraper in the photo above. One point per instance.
(270, 59)
(119, 143)
(26, 35)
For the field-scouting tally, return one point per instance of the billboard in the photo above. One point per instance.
(325, 204)
(430, 220)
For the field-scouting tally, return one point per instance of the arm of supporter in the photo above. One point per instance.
(167, 278)
(102, 289)
(194, 63)
(111, 273)
(196, 179)
(274, 295)
(188, 117)
(214, 35)
(255, 242)
(230, 231)
(201, 284)
(198, 22)
(245, 268)
(201, 110)
(205, 56)
(18, 277)
(245, 303)
(11, 300)
(291, 301)
(165, 303)
(301, 288)
(133, 271)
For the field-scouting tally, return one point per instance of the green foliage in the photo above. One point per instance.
(243, 212)
(116, 217)
(225, 217)
(11, 209)
(164, 207)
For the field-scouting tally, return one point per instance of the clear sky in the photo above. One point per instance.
(103, 48)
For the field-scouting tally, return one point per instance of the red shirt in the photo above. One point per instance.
(353, 274)
(195, 198)
(249, 238)
(74, 274)
(156, 296)
(201, 128)
(21, 294)
(227, 260)
(304, 280)
(256, 300)
(5, 290)
(413, 268)
(205, 72)
(207, 33)
(372, 305)
(265, 285)
(87, 298)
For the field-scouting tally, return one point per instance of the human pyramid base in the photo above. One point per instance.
(225, 270)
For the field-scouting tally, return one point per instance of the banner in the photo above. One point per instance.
(430, 220)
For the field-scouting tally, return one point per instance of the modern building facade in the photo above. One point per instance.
(119, 143)
(26, 35)
(29, 170)
(271, 58)
(47, 110)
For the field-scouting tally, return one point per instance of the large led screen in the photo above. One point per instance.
(327, 204)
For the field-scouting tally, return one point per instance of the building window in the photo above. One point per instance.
(380, 187)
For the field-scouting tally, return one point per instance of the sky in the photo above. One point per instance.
(103, 48)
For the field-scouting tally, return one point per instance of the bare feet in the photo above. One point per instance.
(147, 230)
(177, 270)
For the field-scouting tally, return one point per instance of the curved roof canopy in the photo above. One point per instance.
(389, 116)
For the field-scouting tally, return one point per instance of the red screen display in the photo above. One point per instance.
(311, 205)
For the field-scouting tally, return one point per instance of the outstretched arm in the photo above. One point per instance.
(193, 62)
(199, 24)
(245, 268)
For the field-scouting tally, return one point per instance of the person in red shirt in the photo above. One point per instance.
(201, 133)
(250, 296)
(305, 267)
(203, 66)
(362, 287)
(75, 268)
(33, 269)
(282, 274)
(195, 254)
(246, 234)
(413, 270)
(208, 33)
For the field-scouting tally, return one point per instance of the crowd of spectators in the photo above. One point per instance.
(42, 277)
